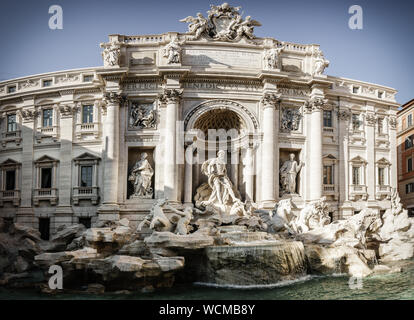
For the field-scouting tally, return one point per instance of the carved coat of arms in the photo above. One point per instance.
(223, 23)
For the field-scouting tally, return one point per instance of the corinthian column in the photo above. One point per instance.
(171, 98)
(111, 158)
(315, 108)
(270, 150)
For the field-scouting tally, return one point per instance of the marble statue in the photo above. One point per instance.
(244, 28)
(172, 51)
(111, 55)
(141, 175)
(156, 219)
(312, 216)
(197, 25)
(288, 173)
(142, 116)
(224, 23)
(272, 57)
(222, 188)
(184, 218)
(321, 63)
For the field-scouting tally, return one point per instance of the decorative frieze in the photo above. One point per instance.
(67, 78)
(67, 110)
(28, 84)
(28, 114)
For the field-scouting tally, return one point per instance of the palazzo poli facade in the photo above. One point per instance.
(71, 140)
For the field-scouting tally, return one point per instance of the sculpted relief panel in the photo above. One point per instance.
(142, 116)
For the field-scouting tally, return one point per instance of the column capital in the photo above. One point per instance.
(113, 98)
(270, 100)
(371, 119)
(170, 96)
(315, 104)
(344, 115)
(29, 115)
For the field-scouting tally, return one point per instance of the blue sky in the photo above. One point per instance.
(381, 53)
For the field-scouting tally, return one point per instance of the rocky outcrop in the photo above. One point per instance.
(192, 241)
(340, 259)
(264, 262)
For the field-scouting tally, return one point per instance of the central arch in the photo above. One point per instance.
(191, 121)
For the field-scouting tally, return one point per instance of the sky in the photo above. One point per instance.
(382, 52)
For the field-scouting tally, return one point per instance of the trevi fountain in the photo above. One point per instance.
(299, 209)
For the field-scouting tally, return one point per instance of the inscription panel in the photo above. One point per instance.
(222, 58)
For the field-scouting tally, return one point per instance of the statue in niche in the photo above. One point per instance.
(222, 189)
(111, 55)
(172, 51)
(288, 173)
(141, 175)
(142, 116)
(290, 119)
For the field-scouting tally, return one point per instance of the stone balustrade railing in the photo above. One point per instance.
(10, 196)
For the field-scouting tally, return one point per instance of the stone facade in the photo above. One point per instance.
(405, 143)
(71, 138)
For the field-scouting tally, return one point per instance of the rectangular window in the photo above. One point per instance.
(327, 118)
(87, 114)
(10, 180)
(11, 123)
(47, 83)
(409, 187)
(11, 89)
(409, 120)
(327, 174)
(88, 78)
(44, 228)
(355, 176)
(381, 176)
(46, 178)
(47, 117)
(409, 164)
(355, 89)
(380, 94)
(86, 176)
